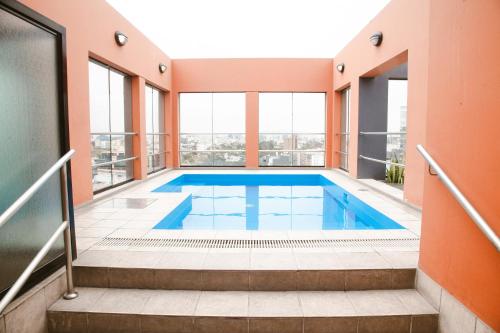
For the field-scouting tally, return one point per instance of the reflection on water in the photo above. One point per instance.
(272, 207)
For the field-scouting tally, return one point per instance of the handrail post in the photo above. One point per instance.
(70, 291)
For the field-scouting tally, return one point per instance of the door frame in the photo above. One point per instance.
(29, 15)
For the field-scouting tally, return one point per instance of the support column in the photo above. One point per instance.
(139, 127)
(329, 132)
(168, 119)
(252, 130)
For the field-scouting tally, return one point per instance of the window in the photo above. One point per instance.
(291, 129)
(155, 129)
(212, 129)
(344, 128)
(396, 120)
(110, 126)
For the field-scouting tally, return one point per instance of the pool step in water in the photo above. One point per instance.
(143, 310)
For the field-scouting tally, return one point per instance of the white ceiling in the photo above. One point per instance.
(249, 28)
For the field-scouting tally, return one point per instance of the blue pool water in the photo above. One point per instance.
(268, 202)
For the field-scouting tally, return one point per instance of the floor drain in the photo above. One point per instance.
(258, 244)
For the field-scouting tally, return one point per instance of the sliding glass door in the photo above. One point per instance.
(344, 128)
(110, 126)
(155, 129)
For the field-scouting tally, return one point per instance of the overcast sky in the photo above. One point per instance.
(251, 28)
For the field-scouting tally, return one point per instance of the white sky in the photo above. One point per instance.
(250, 28)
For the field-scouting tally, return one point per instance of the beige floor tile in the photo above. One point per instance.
(139, 224)
(183, 260)
(122, 301)
(324, 304)
(362, 261)
(172, 302)
(400, 259)
(274, 304)
(128, 233)
(223, 303)
(93, 232)
(376, 303)
(228, 261)
(109, 224)
(266, 260)
(99, 258)
(414, 302)
(143, 259)
(314, 261)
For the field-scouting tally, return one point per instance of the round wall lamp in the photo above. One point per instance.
(376, 38)
(162, 67)
(120, 38)
(340, 67)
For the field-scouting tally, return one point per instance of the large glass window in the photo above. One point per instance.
(212, 129)
(155, 129)
(110, 126)
(291, 129)
(344, 128)
(396, 120)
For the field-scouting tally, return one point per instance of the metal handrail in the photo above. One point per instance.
(214, 151)
(62, 229)
(158, 133)
(462, 200)
(114, 162)
(381, 161)
(382, 133)
(16, 205)
(113, 133)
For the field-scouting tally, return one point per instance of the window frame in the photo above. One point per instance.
(128, 145)
(292, 151)
(161, 134)
(212, 152)
(344, 136)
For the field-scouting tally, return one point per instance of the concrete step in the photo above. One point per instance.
(241, 271)
(181, 311)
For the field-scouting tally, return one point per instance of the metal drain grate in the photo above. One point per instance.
(257, 244)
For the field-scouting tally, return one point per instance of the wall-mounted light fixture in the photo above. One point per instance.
(340, 67)
(376, 38)
(162, 67)
(120, 38)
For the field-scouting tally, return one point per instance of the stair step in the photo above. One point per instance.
(240, 271)
(240, 280)
(141, 310)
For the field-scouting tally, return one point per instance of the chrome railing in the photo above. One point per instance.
(382, 133)
(95, 165)
(113, 133)
(381, 161)
(62, 229)
(462, 200)
(386, 162)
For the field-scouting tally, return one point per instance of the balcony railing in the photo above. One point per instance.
(376, 160)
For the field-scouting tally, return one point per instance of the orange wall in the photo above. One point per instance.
(463, 137)
(252, 75)
(404, 25)
(90, 27)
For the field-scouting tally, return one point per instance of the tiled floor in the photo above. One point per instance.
(252, 309)
(112, 219)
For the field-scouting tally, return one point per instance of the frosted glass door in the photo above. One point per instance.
(31, 141)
